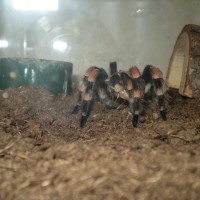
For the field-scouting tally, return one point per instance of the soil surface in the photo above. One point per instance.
(45, 155)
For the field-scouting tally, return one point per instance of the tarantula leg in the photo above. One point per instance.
(86, 107)
(135, 87)
(134, 72)
(100, 81)
(131, 105)
(154, 86)
(135, 120)
(113, 68)
(136, 107)
(85, 112)
(88, 93)
(78, 105)
(82, 86)
(102, 76)
(161, 104)
(105, 99)
(158, 84)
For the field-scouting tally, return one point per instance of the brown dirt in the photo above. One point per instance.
(44, 155)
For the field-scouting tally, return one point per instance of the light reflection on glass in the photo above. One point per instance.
(44, 23)
(25, 71)
(3, 43)
(37, 5)
(60, 46)
(32, 76)
(140, 10)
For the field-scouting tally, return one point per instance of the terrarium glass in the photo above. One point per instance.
(67, 132)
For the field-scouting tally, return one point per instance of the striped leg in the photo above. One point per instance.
(161, 104)
(154, 87)
(85, 112)
(86, 107)
(135, 119)
(78, 105)
(159, 91)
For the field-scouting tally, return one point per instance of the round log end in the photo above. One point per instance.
(184, 66)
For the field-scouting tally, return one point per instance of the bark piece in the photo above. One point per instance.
(184, 66)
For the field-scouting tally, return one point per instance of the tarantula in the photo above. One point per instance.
(131, 85)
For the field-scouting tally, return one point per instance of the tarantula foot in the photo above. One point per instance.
(83, 121)
(135, 120)
(163, 115)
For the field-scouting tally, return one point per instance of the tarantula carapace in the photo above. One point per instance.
(136, 88)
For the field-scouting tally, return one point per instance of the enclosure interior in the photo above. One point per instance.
(45, 154)
(96, 33)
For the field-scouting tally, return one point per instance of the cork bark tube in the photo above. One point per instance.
(184, 66)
